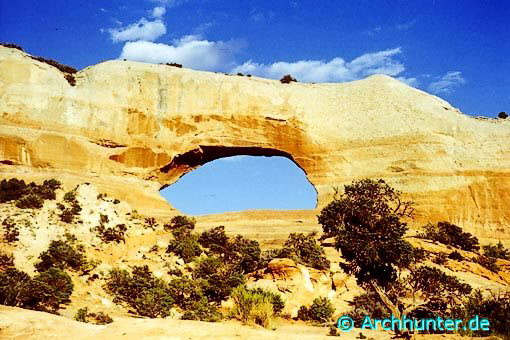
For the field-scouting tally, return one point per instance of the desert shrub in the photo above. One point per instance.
(56, 64)
(305, 249)
(6, 261)
(45, 292)
(439, 292)
(488, 262)
(184, 244)
(367, 304)
(29, 196)
(185, 291)
(70, 79)
(68, 214)
(180, 221)
(450, 234)
(215, 239)
(141, 290)
(12, 189)
(55, 288)
(502, 115)
(252, 307)
(111, 234)
(287, 79)
(219, 278)
(202, 310)
(81, 315)
(237, 251)
(320, 311)
(10, 45)
(30, 201)
(495, 308)
(70, 196)
(63, 254)
(275, 299)
(100, 318)
(150, 222)
(11, 230)
(498, 251)
(455, 255)
(440, 259)
(153, 303)
(174, 65)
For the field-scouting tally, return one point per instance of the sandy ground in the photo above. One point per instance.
(16, 323)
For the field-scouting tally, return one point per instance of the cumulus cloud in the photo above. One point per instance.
(141, 30)
(191, 51)
(158, 12)
(334, 70)
(447, 83)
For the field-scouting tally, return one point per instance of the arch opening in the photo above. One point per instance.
(237, 179)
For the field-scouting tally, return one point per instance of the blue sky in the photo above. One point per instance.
(242, 183)
(458, 50)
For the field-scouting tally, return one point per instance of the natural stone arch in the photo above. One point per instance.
(123, 122)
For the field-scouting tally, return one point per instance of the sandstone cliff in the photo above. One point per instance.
(131, 128)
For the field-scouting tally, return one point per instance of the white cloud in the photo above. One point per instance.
(409, 81)
(335, 70)
(405, 26)
(191, 51)
(158, 12)
(170, 3)
(447, 83)
(141, 30)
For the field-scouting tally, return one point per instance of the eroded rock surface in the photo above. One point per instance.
(131, 128)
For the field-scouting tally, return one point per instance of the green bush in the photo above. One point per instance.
(180, 221)
(498, 251)
(186, 292)
(236, 251)
(45, 292)
(320, 311)
(29, 196)
(30, 201)
(70, 196)
(455, 255)
(112, 234)
(184, 244)
(202, 310)
(12, 189)
(100, 318)
(252, 307)
(63, 254)
(153, 303)
(367, 304)
(150, 222)
(450, 234)
(141, 290)
(305, 249)
(11, 230)
(55, 288)
(68, 214)
(81, 315)
(6, 261)
(495, 308)
(219, 278)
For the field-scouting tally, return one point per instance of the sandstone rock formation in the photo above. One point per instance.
(132, 128)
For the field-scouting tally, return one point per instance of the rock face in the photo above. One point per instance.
(133, 128)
